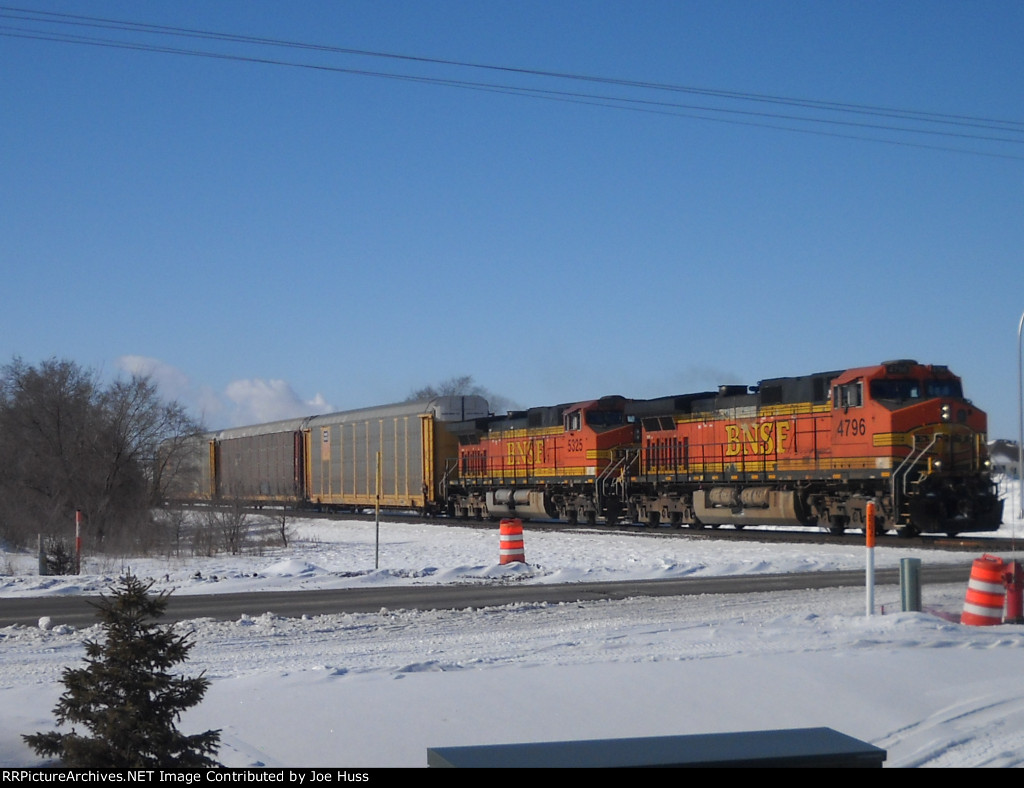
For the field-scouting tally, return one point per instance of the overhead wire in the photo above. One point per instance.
(838, 114)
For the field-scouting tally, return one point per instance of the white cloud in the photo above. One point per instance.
(251, 401)
(172, 382)
(257, 400)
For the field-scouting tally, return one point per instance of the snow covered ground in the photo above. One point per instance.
(368, 690)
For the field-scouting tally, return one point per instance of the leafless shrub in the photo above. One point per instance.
(67, 443)
(283, 529)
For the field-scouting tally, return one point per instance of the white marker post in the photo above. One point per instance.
(869, 539)
(78, 541)
(376, 556)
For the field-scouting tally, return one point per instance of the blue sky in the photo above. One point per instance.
(271, 239)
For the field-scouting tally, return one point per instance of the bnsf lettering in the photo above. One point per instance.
(768, 437)
(525, 452)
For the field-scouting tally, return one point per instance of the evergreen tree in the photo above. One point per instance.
(126, 695)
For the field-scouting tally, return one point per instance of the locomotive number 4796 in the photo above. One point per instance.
(851, 427)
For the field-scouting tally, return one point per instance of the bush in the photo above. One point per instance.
(126, 696)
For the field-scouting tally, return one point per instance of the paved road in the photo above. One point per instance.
(78, 612)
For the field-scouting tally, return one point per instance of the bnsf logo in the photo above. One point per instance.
(768, 437)
(525, 452)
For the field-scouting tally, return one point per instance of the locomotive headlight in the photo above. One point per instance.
(937, 465)
(946, 413)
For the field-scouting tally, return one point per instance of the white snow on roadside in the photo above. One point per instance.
(364, 690)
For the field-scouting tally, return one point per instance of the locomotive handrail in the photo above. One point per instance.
(619, 466)
(912, 457)
(451, 465)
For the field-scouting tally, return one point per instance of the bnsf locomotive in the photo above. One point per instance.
(804, 451)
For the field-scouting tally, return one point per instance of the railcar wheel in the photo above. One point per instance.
(591, 517)
(836, 524)
(676, 519)
(654, 518)
(572, 517)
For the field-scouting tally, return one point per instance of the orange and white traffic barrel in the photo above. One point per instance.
(986, 592)
(511, 546)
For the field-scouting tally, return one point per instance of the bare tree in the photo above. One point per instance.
(281, 525)
(67, 443)
(462, 386)
(155, 435)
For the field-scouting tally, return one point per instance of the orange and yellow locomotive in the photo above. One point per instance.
(811, 450)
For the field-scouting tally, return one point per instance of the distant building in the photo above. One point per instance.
(1005, 458)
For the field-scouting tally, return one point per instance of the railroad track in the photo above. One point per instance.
(965, 543)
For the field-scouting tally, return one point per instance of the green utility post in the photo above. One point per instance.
(910, 584)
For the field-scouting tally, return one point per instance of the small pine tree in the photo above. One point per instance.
(125, 695)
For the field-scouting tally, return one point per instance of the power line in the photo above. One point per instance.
(825, 117)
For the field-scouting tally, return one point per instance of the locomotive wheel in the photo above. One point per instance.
(591, 517)
(654, 518)
(572, 517)
(836, 524)
(676, 519)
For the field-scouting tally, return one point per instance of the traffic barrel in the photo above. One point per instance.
(511, 546)
(986, 592)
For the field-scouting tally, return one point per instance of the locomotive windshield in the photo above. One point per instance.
(605, 418)
(904, 389)
(943, 388)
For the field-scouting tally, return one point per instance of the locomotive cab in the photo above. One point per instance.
(911, 424)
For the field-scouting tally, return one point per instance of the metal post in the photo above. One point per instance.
(1020, 421)
(376, 556)
(910, 584)
(78, 541)
(1014, 594)
(869, 539)
(43, 569)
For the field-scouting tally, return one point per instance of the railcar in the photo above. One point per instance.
(261, 464)
(330, 461)
(414, 442)
(805, 451)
